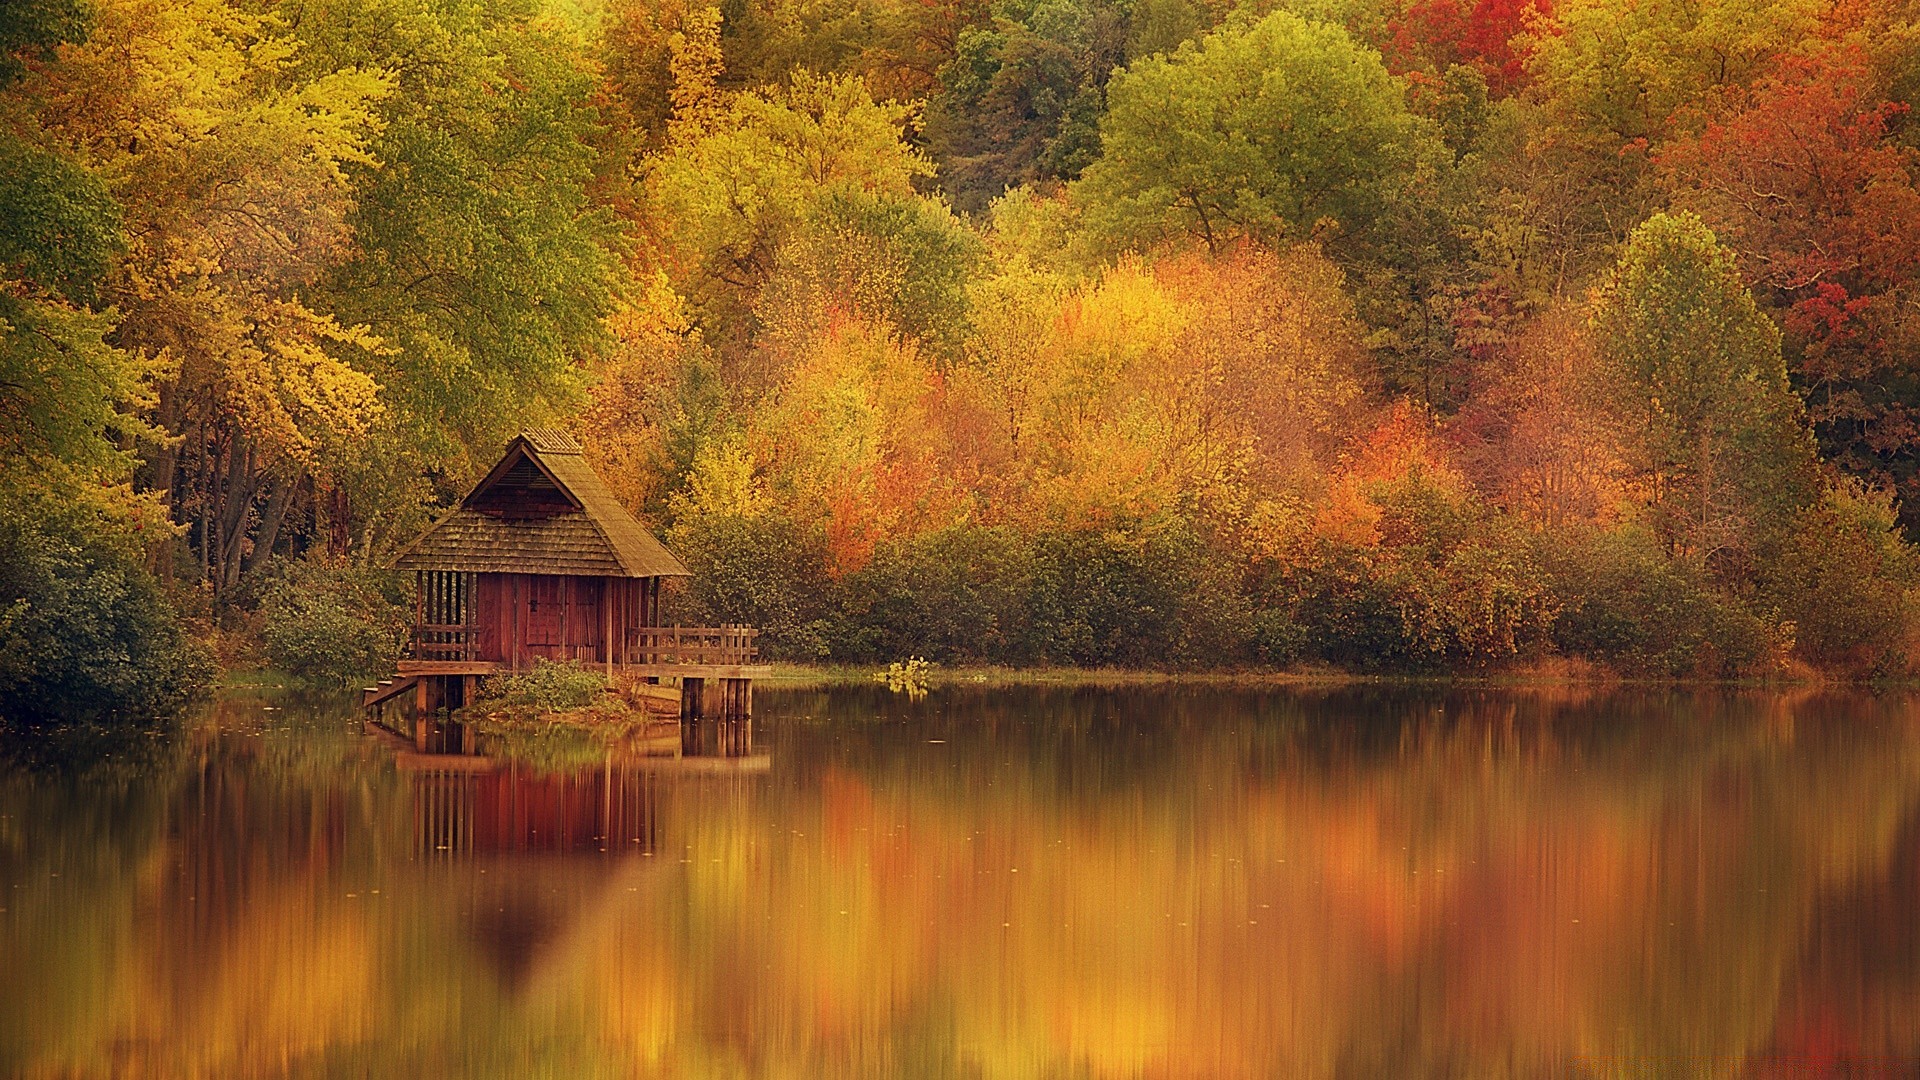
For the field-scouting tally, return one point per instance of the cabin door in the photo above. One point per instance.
(546, 615)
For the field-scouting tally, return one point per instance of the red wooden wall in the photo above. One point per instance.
(527, 616)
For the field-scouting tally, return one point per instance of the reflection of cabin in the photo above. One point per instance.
(540, 561)
(511, 811)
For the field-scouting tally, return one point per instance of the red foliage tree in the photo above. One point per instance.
(1802, 176)
(1432, 35)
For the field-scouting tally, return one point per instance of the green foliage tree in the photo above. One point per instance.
(86, 634)
(1696, 375)
(1278, 129)
(30, 29)
(1021, 100)
(331, 624)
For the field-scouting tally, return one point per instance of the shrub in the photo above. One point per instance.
(760, 570)
(1436, 579)
(1150, 594)
(547, 686)
(1846, 583)
(959, 594)
(1103, 597)
(330, 623)
(85, 631)
(1625, 602)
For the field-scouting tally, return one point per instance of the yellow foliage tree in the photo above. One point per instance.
(231, 173)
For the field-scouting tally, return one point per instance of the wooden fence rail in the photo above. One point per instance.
(445, 641)
(692, 645)
(717, 645)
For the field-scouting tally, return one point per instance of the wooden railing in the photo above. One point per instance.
(445, 641)
(723, 645)
(692, 645)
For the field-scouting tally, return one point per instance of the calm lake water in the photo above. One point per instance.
(1018, 883)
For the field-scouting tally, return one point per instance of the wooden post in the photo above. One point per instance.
(422, 716)
(606, 609)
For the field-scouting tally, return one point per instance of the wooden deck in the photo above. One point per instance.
(621, 672)
(707, 671)
(453, 649)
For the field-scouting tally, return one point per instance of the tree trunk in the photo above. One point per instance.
(159, 472)
(238, 501)
(270, 520)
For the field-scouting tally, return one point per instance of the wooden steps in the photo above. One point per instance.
(387, 690)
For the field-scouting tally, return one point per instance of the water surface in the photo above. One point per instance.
(985, 882)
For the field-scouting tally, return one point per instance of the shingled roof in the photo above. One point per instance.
(542, 510)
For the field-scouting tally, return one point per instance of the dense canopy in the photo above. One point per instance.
(1392, 334)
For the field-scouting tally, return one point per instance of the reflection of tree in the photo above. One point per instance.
(1114, 883)
(1470, 881)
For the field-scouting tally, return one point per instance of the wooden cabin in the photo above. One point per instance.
(540, 561)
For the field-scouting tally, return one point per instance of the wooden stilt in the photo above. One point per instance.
(422, 714)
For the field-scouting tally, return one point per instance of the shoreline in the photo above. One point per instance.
(1557, 674)
(801, 676)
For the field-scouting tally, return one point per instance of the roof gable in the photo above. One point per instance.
(541, 510)
(521, 486)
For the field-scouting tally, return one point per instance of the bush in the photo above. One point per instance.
(762, 571)
(548, 687)
(1139, 595)
(331, 624)
(1441, 582)
(1147, 595)
(85, 631)
(960, 594)
(1846, 583)
(1626, 603)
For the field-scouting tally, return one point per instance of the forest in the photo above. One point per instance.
(1405, 336)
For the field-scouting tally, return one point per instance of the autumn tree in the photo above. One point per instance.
(1713, 429)
(1538, 435)
(852, 440)
(1280, 129)
(1614, 81)
(1805, 176)
(85, 629)
(1489, 37)
(230, 176)
(727, 202)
